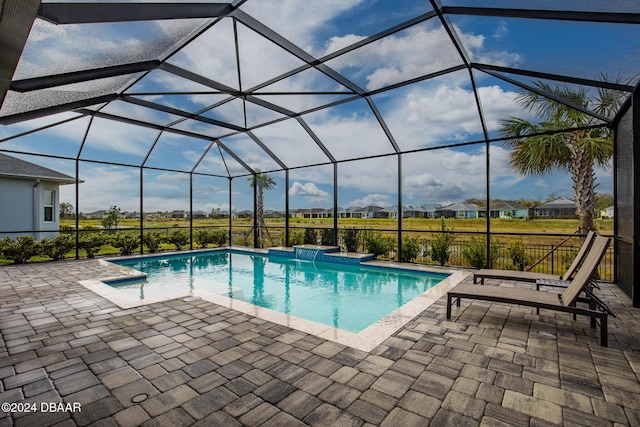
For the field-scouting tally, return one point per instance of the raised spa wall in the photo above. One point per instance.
(321, 254)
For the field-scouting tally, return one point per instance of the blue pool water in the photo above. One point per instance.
(349, 297)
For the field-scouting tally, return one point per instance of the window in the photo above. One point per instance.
(49, 203)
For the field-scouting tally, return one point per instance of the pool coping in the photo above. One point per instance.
(366, 340)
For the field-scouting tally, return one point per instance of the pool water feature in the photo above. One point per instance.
(304, 254)
(348, 297)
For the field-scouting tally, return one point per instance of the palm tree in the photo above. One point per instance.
(540, 148)
(263, 182)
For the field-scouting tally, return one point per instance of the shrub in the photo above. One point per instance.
(440, 246)
(326, 237)
(126, 242)
(410, 249)
(310, 236)
(296, 237)
(20, 249)
(57, 247)
(350, 239)
(377, 244)
(66, 228)
(91, 243)
(202, 237)
(179, 238)
(219, 236)
(517, 250)
(475, 252)
(152, 241)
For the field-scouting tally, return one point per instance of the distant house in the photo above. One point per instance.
(370, 211)
(328, 213)
(309, 213)
(95, 215)
(198, 215)
(388, 212)
(392, 212)
(177, 214)
(459, 210)
(607, 212)
(428, 211)
(353, 212)
(130, 215)
(508, 210)
(559, 208)
(219, 213)
(29, 198)
(412, 212)
(243, 214)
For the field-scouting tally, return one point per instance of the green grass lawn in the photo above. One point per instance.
(538, 231)
(559, 226)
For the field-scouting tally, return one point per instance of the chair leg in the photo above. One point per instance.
(448, 306)
(604, 333)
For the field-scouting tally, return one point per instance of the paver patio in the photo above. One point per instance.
(191, 362)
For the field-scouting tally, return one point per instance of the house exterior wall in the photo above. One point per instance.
(22, 204)
(513, 213)
(467, 214)
(16, 207)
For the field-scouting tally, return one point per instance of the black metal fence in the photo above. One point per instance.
(544, 253)
(553, 256)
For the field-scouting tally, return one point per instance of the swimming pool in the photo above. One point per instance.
(349, 297)
(355, 305)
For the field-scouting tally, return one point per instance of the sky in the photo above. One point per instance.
(425, 115)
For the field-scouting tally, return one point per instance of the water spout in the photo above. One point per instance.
(305, 254)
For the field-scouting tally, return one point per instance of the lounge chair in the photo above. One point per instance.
(532, 277)
(565, 301)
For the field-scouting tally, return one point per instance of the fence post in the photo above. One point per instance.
(553, 255)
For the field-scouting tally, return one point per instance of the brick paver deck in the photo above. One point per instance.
(195, 363)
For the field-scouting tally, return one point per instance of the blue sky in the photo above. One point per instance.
(424, 115)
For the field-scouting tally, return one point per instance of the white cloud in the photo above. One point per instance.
(350, 136)
(338, 42)
(501, 30)
(209, 207)
(105, 186)
(296, 21)
(310, 191)
(428, 115)
(396, 58)
(124, 139)
(420, 115)
(475, 46)
(65, 48)
(541, 183)
(422, 180)
(442, 175)
(372, 200)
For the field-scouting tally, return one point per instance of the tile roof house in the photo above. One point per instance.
(559, 208)
(29, 198)
(459, 210)
(508, 210)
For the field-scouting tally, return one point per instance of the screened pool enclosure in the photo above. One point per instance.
(374, 109)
